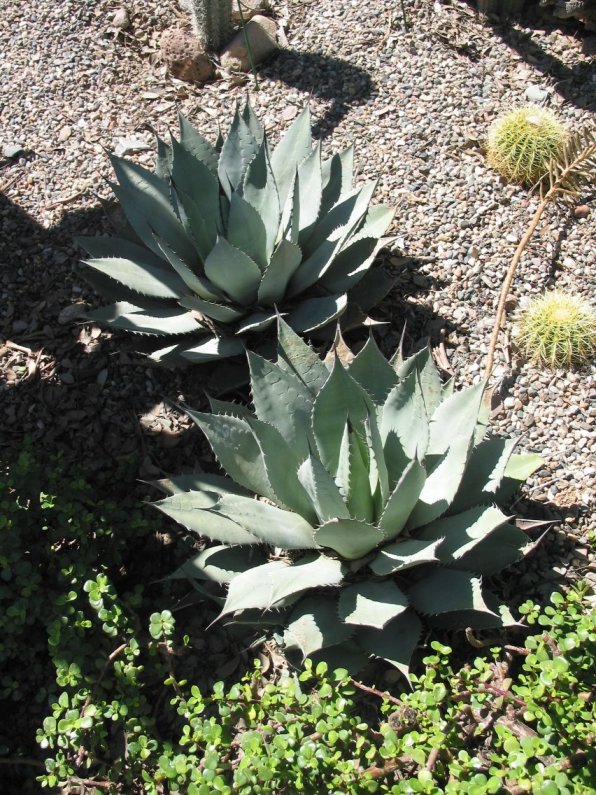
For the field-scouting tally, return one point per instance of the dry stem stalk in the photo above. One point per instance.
(562, 184)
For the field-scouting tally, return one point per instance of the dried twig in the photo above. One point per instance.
(374, 692)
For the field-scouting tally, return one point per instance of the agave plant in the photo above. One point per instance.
(221, 236)
(359, 503)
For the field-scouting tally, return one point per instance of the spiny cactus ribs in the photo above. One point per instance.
(557, 330)
(522, 142)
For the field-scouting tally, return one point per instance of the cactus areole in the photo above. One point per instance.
(360, 502)
(223, 236)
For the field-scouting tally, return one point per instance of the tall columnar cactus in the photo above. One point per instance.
(212, 21)
(375, 506)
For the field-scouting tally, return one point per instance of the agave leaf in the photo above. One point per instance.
(226, 407)
(337, 178)
(359, 497)
(350, 265)
(484, 473)
(404, 414)
(282, 399)
(328, 237)
(495, 615)
(449, 591)
(401, 555)
(220, 564)
(198, 284)
(146, 203)
(260, 191)
(246, 230)
(314, 313)
(222, 313)
(196, 145)
(322, 490)
(312, 268)
(430, 382)
(203, 221)
(483, 420)
(252, 122)
(396, 642)
(340, 398)
(373, 372)
(103, 246)
(265, 586)
(309, 187)
(342, 219)
(238, 150)
(192, 510)
(455, 417)
(472, 542)
(313, 625)
(234, 272)
(148, 278)
(163, 160)
(194, 178)
(371, 604)
(295, 356)
(396, 459)
(290, 217)
(293, 148)
(281, 464)
(156, 321)
(272, 525)
(378, 474)
(518, 470)
(403, 499)
(347, 655)
(375, 223)
(198, 481)
(441, 484)
(371, 288)
(237, 450)
(210, 350)
(349, 537)
(257, 322)
(284, 262)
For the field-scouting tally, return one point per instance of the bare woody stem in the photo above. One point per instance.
(490, 357)
(560, 185)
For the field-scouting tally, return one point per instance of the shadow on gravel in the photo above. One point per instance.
(72, 389)
(333, 79)
(575, 83)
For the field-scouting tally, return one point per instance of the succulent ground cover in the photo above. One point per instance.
(418, 104)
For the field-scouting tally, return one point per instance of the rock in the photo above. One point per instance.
(250, 8)
(262, 36)
(581, 211)
(71, 313)
(12, 150)
(184, 57)
(64, 134)
(534, 93)
(120, 20)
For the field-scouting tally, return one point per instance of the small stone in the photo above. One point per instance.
(184, 57)
(64, 133)
(121, 20)
(71, 313)
(534, 93)
(581, 211)
(262, 37)
(12, 150)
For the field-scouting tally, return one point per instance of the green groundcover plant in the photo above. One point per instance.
(112, 690)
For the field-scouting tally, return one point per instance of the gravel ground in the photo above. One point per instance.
(417, 103)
